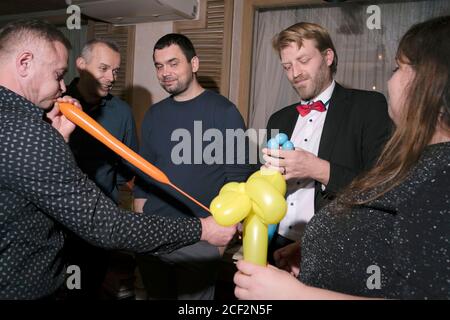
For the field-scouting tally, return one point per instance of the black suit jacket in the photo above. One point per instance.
(356, 128)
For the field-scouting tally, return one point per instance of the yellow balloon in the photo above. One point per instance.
(255, 240)
(273, 177)
(268, 204)
(230, 208)
(233, 187)
(260, 201)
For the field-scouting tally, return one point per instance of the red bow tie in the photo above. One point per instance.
(304, 109)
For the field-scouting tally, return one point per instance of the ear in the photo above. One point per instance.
(81, 63)
(24, 62)
(195, 63)
(329, 56)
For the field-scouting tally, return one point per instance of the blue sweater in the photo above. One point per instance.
(170, 141)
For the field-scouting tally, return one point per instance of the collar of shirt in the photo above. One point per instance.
(7, 96)
(325, 96)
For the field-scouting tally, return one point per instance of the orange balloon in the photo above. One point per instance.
(81, 119)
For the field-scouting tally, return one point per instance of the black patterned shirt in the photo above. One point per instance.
(42, 192)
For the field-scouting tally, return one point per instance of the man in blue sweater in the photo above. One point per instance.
(98, 66)
(190, 111)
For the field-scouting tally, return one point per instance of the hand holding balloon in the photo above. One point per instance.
(260, 201)
(58, 120)
(281, 141)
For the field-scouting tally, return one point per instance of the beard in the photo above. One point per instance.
(175, 89)
(178, 87)
(318, 84)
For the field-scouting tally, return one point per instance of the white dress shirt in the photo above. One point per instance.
(300, 193)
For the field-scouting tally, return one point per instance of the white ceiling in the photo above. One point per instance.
(113, 11)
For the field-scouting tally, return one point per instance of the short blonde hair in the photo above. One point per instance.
(310, 31)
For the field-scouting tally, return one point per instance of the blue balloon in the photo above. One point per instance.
(272, 144)
(272, 228)
(281, 138)
(288, 145)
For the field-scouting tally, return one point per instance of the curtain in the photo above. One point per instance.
(366, 57)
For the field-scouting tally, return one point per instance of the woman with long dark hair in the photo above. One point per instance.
(387, 235)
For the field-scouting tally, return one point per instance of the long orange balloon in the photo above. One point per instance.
(81, 119)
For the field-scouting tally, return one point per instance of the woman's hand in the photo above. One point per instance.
(255, 282)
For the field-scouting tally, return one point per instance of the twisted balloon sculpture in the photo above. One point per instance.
(260, 201)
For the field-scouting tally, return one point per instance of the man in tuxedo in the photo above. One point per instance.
(338, 133)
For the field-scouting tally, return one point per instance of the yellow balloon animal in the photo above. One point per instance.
(260, 201)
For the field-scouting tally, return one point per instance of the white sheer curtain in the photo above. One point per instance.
(366, 57)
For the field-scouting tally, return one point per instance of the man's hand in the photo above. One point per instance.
(297, 164)
(288, 258)
(58, 121)
(215, 234)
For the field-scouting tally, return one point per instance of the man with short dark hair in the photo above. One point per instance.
(189, 273)
(42, 191)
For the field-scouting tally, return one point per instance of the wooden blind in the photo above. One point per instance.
(124, 37)
(212, 42)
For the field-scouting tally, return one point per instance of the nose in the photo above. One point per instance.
(165, 71)
(110, 75)
(297, 70)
